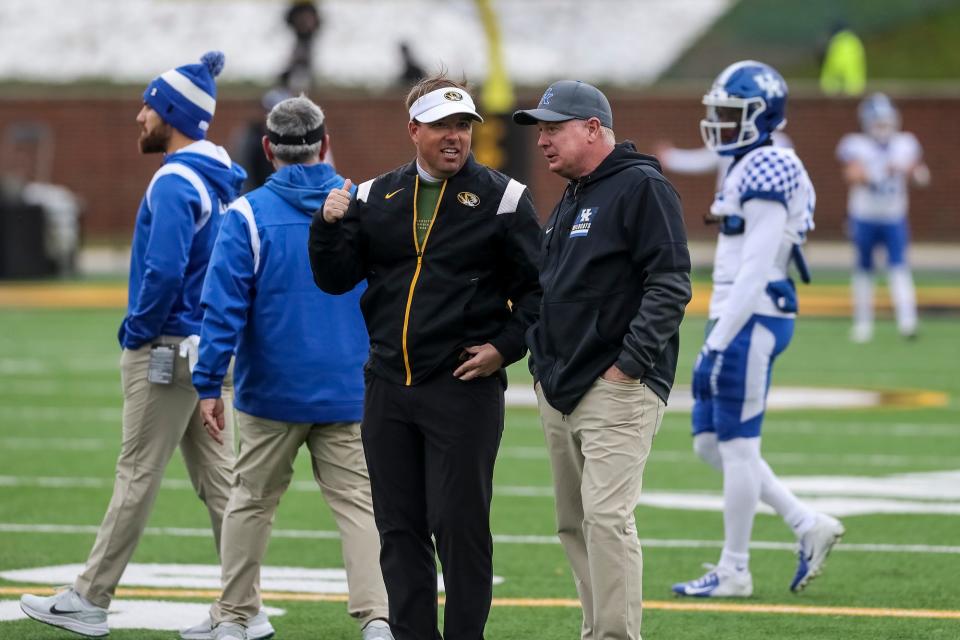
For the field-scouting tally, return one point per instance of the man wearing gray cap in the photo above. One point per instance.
(449, 249)
(615, 273)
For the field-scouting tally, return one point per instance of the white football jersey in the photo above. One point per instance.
(884, 198)
(768, 173)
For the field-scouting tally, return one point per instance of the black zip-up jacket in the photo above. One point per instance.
(424, 304)
(615, 273)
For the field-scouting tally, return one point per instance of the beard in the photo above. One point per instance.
(155, 140)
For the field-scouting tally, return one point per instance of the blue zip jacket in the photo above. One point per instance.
(176, 226)
(299, 351)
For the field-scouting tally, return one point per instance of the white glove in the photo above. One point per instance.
(190, 349)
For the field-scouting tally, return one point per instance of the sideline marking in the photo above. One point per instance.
(816, 300)
(662, 605)
(666, 543)
(523, 396)
(788, 398)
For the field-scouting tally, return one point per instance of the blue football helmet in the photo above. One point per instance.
(878, 117)
(745, 105)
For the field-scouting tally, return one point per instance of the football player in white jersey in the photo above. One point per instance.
(703, 159)
(878, 164)
(765, 205)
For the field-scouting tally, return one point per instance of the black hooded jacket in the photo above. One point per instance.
(615, 273)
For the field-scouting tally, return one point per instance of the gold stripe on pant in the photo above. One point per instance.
(268, 449)
(156, 418)
(598, 453)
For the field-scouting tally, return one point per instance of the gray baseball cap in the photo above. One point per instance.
(568, 100)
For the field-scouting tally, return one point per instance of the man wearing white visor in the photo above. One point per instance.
(449, 251)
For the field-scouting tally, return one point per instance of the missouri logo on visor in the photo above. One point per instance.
(456, 96)
(467, 198)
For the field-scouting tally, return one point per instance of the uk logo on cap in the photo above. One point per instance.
(547, 95)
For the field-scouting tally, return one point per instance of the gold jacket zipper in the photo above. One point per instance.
(416, 273)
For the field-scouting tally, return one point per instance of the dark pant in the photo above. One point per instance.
(430, 450)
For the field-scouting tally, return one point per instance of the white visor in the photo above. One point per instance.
(443, 102)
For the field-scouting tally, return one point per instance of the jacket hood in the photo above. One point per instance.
(624, 155)
(305, 186)
(214, 164)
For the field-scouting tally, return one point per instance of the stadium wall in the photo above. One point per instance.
(94, 151)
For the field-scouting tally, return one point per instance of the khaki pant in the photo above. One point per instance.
(598, 453)
(156, 418)
(268, 449)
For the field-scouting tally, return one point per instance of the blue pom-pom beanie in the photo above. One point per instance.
(186, 97)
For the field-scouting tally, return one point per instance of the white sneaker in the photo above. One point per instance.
(67, 610)
(229, 631)
(717, 583)
(861, 333)
(258, 628)
(377, 630)
(813, 549)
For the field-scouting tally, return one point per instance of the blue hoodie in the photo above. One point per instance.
(176, 226)
(299, 351)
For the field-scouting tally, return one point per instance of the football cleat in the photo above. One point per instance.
(861, 333)
(67, 610)
(717, 583)
(814, 547)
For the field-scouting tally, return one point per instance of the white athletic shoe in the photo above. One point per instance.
(861, 333)
(258, 628)
(813, 549)
(229, 631)
(377, 630)
(67, 610)
(717, 583)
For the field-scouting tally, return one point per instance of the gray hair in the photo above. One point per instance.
(295, 117)
(609, 135)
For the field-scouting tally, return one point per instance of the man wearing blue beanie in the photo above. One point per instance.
(176, 226)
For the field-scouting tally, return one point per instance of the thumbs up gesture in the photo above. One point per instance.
(337, 202)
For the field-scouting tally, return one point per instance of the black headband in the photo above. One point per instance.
(310, 137)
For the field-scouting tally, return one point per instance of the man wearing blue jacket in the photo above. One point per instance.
(299, 375)
(176, 226)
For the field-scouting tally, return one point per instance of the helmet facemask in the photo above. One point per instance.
(731, 121)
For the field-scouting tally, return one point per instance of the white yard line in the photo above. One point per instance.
(306, 534)
(93, 363)
(67, 416)
(880, 460)
(931, 492)
(57, 444)
(107, 391)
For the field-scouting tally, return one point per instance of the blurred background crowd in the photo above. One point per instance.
(71, 75)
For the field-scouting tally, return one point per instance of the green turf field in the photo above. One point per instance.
(60, 433)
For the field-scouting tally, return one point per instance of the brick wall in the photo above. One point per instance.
(94, 151)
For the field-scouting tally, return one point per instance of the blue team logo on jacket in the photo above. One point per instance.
(581, 225)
